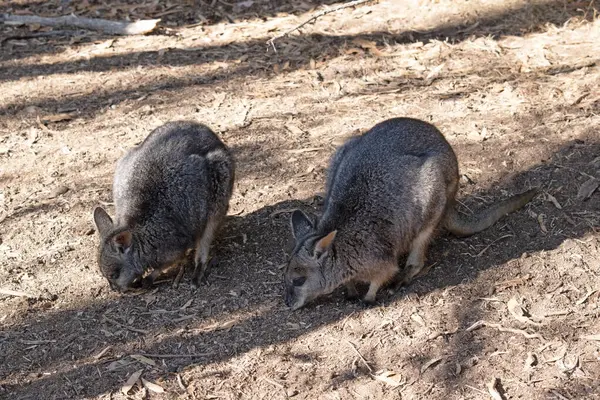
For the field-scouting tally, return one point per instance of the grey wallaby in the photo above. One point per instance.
(171, 193)
(386, 193)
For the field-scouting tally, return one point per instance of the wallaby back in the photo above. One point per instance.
(166, 191)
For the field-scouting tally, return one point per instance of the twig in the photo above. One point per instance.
(37, 342)
(176, 355)
(318, 15)
(94, 24)
(34, 35)
(16, 293)
(130, 328)
(475, 389)
(527, 335)
(489, 245)
(180, 383)
(103, 352)
(560, 396)
(360, 356)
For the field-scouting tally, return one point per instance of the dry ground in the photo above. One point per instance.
(513, 84)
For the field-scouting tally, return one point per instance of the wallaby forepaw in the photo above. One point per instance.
(369, 302)
(198, 281)
(147, 282)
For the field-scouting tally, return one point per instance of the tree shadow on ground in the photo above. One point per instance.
(509, 22)
(463, 261)
(172, 14)
(54, 351)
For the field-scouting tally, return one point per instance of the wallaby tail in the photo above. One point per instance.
(461, 225)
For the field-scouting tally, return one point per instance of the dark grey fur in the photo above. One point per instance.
(387, 191)
(171, 193)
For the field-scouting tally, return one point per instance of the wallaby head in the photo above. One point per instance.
(115, 254)
(306, 275)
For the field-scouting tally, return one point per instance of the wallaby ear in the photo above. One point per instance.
(324, 244)
(103, 222)
(301, 224)
(123, 240)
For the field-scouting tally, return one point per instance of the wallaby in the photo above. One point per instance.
(386, 193)
(171, 193)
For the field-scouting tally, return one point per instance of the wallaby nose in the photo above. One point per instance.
(289, 295)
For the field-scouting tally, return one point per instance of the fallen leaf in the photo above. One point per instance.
(565, 367)
(458, 369)
(219, 99)
(390, 377)
(418, 319)
(513, 282)
(187, 304)
(105, 45)
(492, 389)
(587, 189)
(294, 129)
(57, 118)
(58, 191)
(365, 44)
(434, 73)
(153, 387)
(143, 359)
(531, 360)
(587, 296)
(553, 200)
(518, 312)
(245, 4)
(115, 365)
(541, 220)
(305, 150)
(133, 379)
(32, 137)
(353, 50)
(591, 337)
(430, 364)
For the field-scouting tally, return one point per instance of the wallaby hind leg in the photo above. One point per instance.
(385, 273)
(202, 251)
(418, 250)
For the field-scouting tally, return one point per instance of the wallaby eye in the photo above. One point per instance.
(299, 281)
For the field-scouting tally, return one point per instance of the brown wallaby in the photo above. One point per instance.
(171, 193)
(386, 193)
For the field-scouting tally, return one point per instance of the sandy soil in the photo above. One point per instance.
(513, 85)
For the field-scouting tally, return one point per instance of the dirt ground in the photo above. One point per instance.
(514, 86)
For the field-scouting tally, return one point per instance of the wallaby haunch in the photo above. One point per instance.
(171, 193)
(386, 193)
